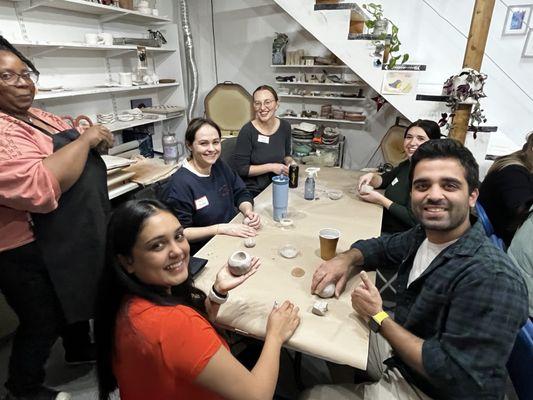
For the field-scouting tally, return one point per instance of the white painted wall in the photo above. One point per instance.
(433, 32)
(243, 35)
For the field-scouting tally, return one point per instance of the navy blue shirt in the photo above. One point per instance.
(204, 201)
(467, 306)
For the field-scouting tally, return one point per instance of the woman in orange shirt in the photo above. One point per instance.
(152, 328)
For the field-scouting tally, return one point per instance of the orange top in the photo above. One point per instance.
(160, 350)
(25, 184)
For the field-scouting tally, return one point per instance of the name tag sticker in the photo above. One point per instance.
(395, 181)
(201, 202)
(263, 139)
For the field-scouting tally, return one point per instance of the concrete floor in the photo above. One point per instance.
(80, 381)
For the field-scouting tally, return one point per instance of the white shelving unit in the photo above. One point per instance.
(311, 66)
(359, 84)
(337, 121)
(93, 91)
(104, 13)
(53, 46)
(297, 96)
(119, 125)
(51, 33)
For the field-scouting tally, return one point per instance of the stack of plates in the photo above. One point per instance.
(330, 136)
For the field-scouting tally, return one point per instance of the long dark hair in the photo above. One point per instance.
(6, 46)
(116, 285)
(431, 128)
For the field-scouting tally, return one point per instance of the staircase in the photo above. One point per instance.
(330, 24)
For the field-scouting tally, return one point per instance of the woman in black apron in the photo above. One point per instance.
(51, 281)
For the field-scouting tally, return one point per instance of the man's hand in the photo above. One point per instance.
(366, 299)
(332, 271)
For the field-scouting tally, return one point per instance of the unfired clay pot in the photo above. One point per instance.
(328, 291)
(239, 263)
(365, 189)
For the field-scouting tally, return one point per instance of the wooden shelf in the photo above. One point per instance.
(322, 84)
(105, 13)
(52, 46)
(92, 91)
(296, 96)
(340, 121)
(312, 66)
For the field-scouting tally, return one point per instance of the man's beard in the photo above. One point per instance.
(453, 217)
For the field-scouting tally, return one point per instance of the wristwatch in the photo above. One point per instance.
(374, 323)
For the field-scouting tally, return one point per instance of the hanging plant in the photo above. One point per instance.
(380, 26)
(466, 88)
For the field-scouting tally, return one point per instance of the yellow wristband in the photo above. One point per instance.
(380, 317)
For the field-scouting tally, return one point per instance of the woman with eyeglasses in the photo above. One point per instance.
(206, 193)
(53, 213)
(263, 147)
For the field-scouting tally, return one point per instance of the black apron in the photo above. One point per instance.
(72, 237)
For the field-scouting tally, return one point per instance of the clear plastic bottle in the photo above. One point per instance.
(309, 189)
(170, 148)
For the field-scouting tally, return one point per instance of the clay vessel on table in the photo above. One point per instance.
(239, 263)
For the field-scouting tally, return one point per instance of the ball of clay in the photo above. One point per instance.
(320, 307)
(239, 263)
(365, 189)
(249, 242)
(328, 291)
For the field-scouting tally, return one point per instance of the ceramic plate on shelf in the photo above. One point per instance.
(50, 88)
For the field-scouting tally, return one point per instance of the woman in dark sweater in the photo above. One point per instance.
(397, 214)
(263, 146)
(507, 189)
(206, 193)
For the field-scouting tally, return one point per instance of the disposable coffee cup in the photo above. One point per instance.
(328, 242)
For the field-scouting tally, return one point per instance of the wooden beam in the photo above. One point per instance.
(475, 49)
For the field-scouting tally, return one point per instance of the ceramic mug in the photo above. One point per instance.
(125, 79)
(91, 39)
(105, 39)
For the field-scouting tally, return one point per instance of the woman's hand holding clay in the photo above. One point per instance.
(226, 281)
(239, 230)
(365, 179)
(282, 322)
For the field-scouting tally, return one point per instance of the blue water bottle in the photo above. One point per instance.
(280, 196)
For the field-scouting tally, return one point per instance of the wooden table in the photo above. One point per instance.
(340, 336)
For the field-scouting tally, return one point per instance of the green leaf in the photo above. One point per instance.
(405, 58)
(394, 48)
(394, 29)
(392, 63)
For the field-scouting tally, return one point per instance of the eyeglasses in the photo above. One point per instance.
(267, 103)
(12, 78)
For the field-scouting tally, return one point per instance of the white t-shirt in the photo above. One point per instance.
(187, 165)
(425, 254)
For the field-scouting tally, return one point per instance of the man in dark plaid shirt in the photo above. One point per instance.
(460, 300)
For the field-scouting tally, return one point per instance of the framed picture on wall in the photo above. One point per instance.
(527, 52)
(517, 19)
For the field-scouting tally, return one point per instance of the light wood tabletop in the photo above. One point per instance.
(340, 336)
